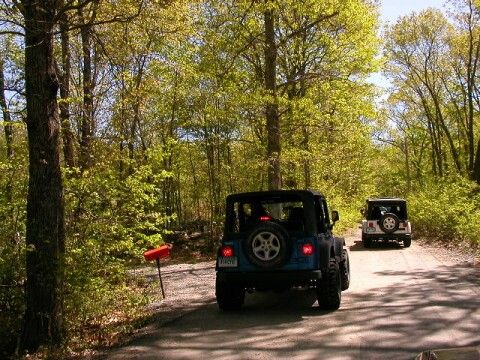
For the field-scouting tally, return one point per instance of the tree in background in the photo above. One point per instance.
(433, 63)
(432, 118)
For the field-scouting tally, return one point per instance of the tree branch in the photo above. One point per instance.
(306, 27)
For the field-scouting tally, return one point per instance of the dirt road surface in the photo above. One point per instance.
(400, 302)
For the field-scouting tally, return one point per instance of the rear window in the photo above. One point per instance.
(287, 211)
(376, 211)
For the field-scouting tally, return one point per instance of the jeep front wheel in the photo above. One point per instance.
(329, 289)
(230, 297)
(345, 270)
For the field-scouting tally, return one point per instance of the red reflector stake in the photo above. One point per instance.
(307, 249)
(161, 252)
(227, 251)
(155, 254)
(265, 218)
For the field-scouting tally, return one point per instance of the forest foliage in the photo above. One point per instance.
(163, 113)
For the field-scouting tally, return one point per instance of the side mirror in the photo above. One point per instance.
(335, 216)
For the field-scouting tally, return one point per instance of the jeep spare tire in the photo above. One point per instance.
(267, 245)
(389, 223)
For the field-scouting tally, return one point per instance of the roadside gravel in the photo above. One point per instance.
(187, 287)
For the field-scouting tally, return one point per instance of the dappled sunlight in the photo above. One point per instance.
(417, 310)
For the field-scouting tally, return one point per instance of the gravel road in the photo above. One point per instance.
(400, 302)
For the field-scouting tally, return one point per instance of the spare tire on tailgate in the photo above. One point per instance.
(268, 245)
(389, 223)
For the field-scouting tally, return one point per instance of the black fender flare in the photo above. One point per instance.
(330, 247)
(338, 244)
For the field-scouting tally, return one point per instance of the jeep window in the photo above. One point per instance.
(321, 215)
(286, 211)
(376, 211)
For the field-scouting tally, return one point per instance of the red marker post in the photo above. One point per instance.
(157, 254)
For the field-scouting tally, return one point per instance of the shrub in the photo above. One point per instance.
(447, 209)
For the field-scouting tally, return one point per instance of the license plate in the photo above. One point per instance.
(224, 262)
(370, 229)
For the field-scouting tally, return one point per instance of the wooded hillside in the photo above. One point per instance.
(123, 121)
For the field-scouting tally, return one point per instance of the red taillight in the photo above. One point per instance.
(226, 251)
(265, 218)
(371, 224)
(307, 249)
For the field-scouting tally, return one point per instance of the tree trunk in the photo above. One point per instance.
(271, 109)
(472, 66)
(68, 137)
(45, 234)
(476, 165)
(86, 159)
(407, 165)
(8, 128)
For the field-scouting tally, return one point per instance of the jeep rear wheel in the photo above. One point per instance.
(329, 289)
(345, 270)
(407, 242)
(267, 246)
(230, 297)
(366, 241)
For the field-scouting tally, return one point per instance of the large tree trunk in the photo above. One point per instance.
(68, 137)
(271, 109)
(45, 233)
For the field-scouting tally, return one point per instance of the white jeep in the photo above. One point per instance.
(386, 220)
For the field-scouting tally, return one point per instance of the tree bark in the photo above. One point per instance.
(406, 149)
(8, 128)
(86, 159)
(476, 165)
(472, 65)
(68, 137)
(45, 233)
(271, 108)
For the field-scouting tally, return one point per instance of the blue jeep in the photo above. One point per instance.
(275, 240)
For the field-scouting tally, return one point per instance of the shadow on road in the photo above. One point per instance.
(438, 308)
(378, 245)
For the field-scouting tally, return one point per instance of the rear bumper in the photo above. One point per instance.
(393, 236)
(271, 279)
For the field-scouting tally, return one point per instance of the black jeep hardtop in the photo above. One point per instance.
(374, 206)
(305, 196)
